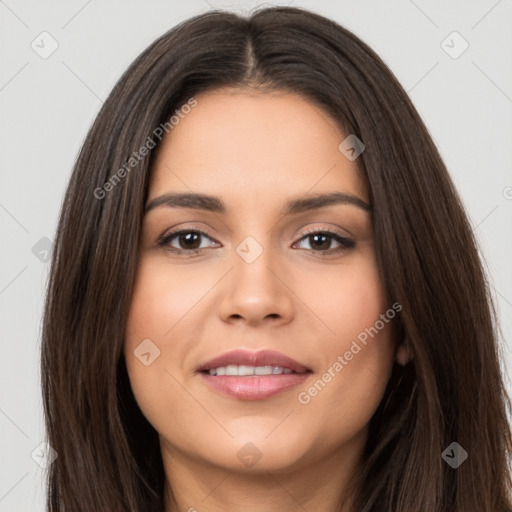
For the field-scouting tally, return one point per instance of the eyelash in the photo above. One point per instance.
(346, 243)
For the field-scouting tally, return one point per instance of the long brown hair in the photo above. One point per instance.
(452, 390)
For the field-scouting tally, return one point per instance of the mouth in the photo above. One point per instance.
(244, 370)
(253, 375)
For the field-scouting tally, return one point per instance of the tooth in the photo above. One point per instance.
(246, 370)
(232, 369)
(263, 370)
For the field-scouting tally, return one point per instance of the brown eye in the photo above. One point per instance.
(188, 240)
(321, 240)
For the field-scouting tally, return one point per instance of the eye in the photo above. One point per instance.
(188, 239)
(319, 239)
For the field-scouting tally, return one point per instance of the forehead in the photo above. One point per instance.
(260, 147)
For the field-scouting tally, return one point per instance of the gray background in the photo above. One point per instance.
(49, 103)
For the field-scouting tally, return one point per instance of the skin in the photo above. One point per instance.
(256, 151)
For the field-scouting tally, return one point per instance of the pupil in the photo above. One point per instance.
(315, 237)
(188, 238)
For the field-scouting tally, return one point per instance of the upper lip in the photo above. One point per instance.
(247, 358)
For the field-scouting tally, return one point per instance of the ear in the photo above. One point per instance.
(403, 354)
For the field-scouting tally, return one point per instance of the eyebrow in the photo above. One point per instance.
(216, 205)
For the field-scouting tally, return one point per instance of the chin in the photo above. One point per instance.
(264, 452)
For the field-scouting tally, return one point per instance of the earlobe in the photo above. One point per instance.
(403, 354)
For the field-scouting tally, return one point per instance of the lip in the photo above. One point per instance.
(254, 387)
(262, 358)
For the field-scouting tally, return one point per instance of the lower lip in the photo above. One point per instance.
(255, 387)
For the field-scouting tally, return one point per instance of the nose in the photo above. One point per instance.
(257, 292)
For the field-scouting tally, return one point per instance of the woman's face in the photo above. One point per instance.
(261, 280)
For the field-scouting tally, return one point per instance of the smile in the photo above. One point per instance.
(244, 370)
(253, 375)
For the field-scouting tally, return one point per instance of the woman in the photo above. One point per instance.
(265, 293)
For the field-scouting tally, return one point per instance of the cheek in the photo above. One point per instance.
(349, 299)
(160, 302)
(357, 354)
